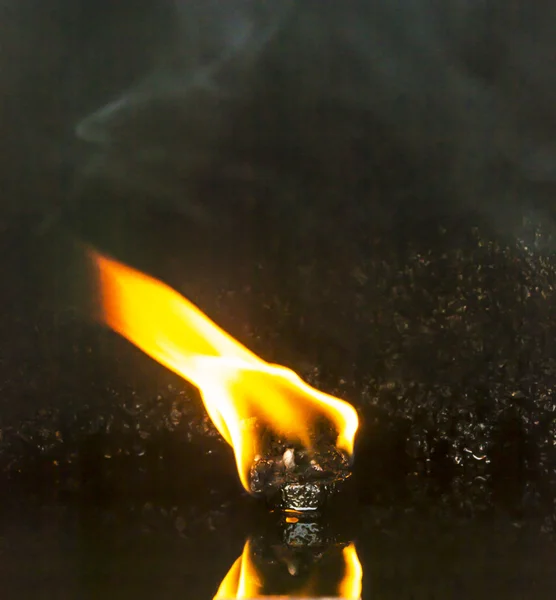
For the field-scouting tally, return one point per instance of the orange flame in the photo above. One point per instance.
(240, 391)
(244, 580)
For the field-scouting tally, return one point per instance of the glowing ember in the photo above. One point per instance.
(244, 396)
(246, 580)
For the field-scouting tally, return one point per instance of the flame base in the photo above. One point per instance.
(297, 479)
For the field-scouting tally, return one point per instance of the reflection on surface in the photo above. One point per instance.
(289, 572)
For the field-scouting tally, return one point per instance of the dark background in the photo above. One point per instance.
(350, 238)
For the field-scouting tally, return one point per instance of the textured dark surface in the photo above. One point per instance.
(446, 334)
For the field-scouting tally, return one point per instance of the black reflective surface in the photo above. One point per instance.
(133, 550)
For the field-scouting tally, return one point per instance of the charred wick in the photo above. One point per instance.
(291, 477)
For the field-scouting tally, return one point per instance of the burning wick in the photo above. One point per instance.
(300, 480)
(285, 434)
(289, 459)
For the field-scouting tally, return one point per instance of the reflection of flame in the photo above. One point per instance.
(351, 583)
(239, 389)
(243, 580)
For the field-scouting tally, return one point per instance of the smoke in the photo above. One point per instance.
(216, 43)
(58, 61)
(464, 93)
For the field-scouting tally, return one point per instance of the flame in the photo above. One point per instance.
(244, 580)
(240, 390)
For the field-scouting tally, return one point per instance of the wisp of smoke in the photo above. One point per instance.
(464, 91)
